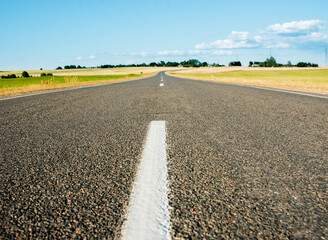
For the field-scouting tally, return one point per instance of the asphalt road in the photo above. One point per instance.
(242, 162)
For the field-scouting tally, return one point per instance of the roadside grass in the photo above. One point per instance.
(31, 84)
(93, 71)
(314, 80)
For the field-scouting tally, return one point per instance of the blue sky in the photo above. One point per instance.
(46, 34)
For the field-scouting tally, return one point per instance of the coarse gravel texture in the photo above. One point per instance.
(242, 162)
(68, 160)
(247, 163)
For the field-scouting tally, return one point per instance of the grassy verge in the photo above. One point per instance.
(32, 84)
(314, 80)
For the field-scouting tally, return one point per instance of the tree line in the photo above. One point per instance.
(271, 62)
(24, 75)
(186, 63)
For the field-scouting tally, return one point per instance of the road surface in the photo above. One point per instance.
(242, 162)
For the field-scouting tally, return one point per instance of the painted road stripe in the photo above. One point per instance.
(161, 84)
(148, 214)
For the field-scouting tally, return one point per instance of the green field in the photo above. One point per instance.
(67, 78)
(32, 84)
(308, 80)
(23, 82)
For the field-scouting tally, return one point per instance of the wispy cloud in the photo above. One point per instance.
(295, 34)
(170, 53)
(209, 52)
(277, 45)
(221, 52)
(79, 58)
(296, 28)
(139, 54)
(235, 40)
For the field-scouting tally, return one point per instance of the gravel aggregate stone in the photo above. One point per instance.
(242, 162)
(245, 163)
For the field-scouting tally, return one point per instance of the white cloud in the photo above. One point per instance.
(172, 52)
(296, 27)
(258, 39)
(278, 45)
(140, 54)
(316, 37)
(222, 52)
(79, 58)
(235, 40)
(237, 36)
(209, 52)
(298, 34)
(195, 52)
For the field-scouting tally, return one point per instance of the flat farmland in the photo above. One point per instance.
(309, 79)
(68, 78)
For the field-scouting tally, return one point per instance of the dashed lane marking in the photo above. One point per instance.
(148, 214)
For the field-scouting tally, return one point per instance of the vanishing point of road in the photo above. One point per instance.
(242, 162)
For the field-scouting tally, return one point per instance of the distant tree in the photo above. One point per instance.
(304, 64)
(235, 64)
(67, 67)
(78, 66)
(59, 68)
(161, 63)
(9, 76)
(49, 74)
(250, 64)
(301, 64)
(191, 63)
(72, 66)
(43, 75)
(289, 64)
(153, 64)
(25, 74)
(41, 69)
(204, 64)
(271, 62)
(172, 64)
(194, 63)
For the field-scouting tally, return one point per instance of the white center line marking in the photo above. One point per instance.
(148, 214)
(161, 84)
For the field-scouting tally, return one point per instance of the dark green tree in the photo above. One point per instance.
(204, 64)
(153, 64)
(271, 62)
(25, 74)
(235, 64)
